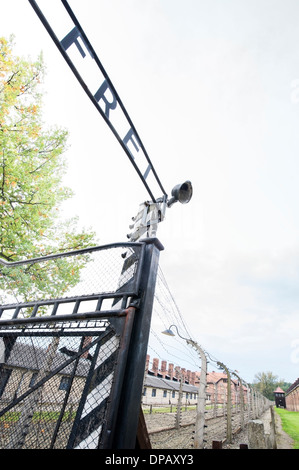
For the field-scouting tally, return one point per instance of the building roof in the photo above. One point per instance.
(166, 384)
(214, 377)
(27, 356)
(293, 386)
(279, 390)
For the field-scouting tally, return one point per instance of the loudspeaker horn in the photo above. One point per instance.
(182, 193)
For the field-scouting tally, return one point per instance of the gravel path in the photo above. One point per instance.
(182, 438)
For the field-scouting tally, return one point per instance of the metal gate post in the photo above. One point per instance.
(129, 407)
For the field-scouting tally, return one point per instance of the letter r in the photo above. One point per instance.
(100, 95)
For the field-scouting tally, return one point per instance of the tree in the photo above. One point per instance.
(266, 383)
(31, 191)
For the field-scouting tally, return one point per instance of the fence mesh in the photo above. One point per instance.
(94, 271)
(43, 382)
(77, 274)
(59, 344)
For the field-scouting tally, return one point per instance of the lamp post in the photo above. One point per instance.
(200, 409)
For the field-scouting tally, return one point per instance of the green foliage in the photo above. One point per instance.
(290, 424)
(267, 382)
(284, 385)
(31, 190)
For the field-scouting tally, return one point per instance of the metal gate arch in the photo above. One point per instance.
(66, 376)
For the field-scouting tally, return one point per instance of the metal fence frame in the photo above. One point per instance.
(129, 317)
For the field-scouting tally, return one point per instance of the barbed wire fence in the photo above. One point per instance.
(231, 403)
(67, 337)
(90, 284)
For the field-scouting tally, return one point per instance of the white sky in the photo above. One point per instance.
(212, 87)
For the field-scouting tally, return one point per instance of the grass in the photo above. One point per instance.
(40, 416)
(173, 409)
(290, 424)
(166, 409)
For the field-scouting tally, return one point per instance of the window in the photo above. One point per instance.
(190, 396)
(154, 392)
(164, 393)
(64, 383)
(173, 394)
(144, 391)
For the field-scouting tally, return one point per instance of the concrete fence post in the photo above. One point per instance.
(215, 400)
(254, 411)
(241, 400)
(273, 428)
(179, 405)
(228, 405)
(256, 435)
(201, 400)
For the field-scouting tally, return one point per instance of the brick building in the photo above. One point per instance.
(216, 391)
(292, 397)
(217, 388)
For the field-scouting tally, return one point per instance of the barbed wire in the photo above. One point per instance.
(177, 315)
(166, 312)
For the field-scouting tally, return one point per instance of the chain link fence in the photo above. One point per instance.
(43, 382)
(164, 434)
(82, 273)
(60, 344)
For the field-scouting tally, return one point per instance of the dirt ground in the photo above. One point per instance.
(171, 438)
(283, 440)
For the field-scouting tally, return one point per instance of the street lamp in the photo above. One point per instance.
(200, 409)
(181, 193)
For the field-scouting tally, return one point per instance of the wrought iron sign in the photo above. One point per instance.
(82, 59)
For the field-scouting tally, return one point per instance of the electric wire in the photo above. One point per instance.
(167, 312)
(179, 314)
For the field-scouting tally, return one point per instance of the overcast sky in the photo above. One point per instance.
(212, 87)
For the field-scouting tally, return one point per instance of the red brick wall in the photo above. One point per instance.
(292, 398)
